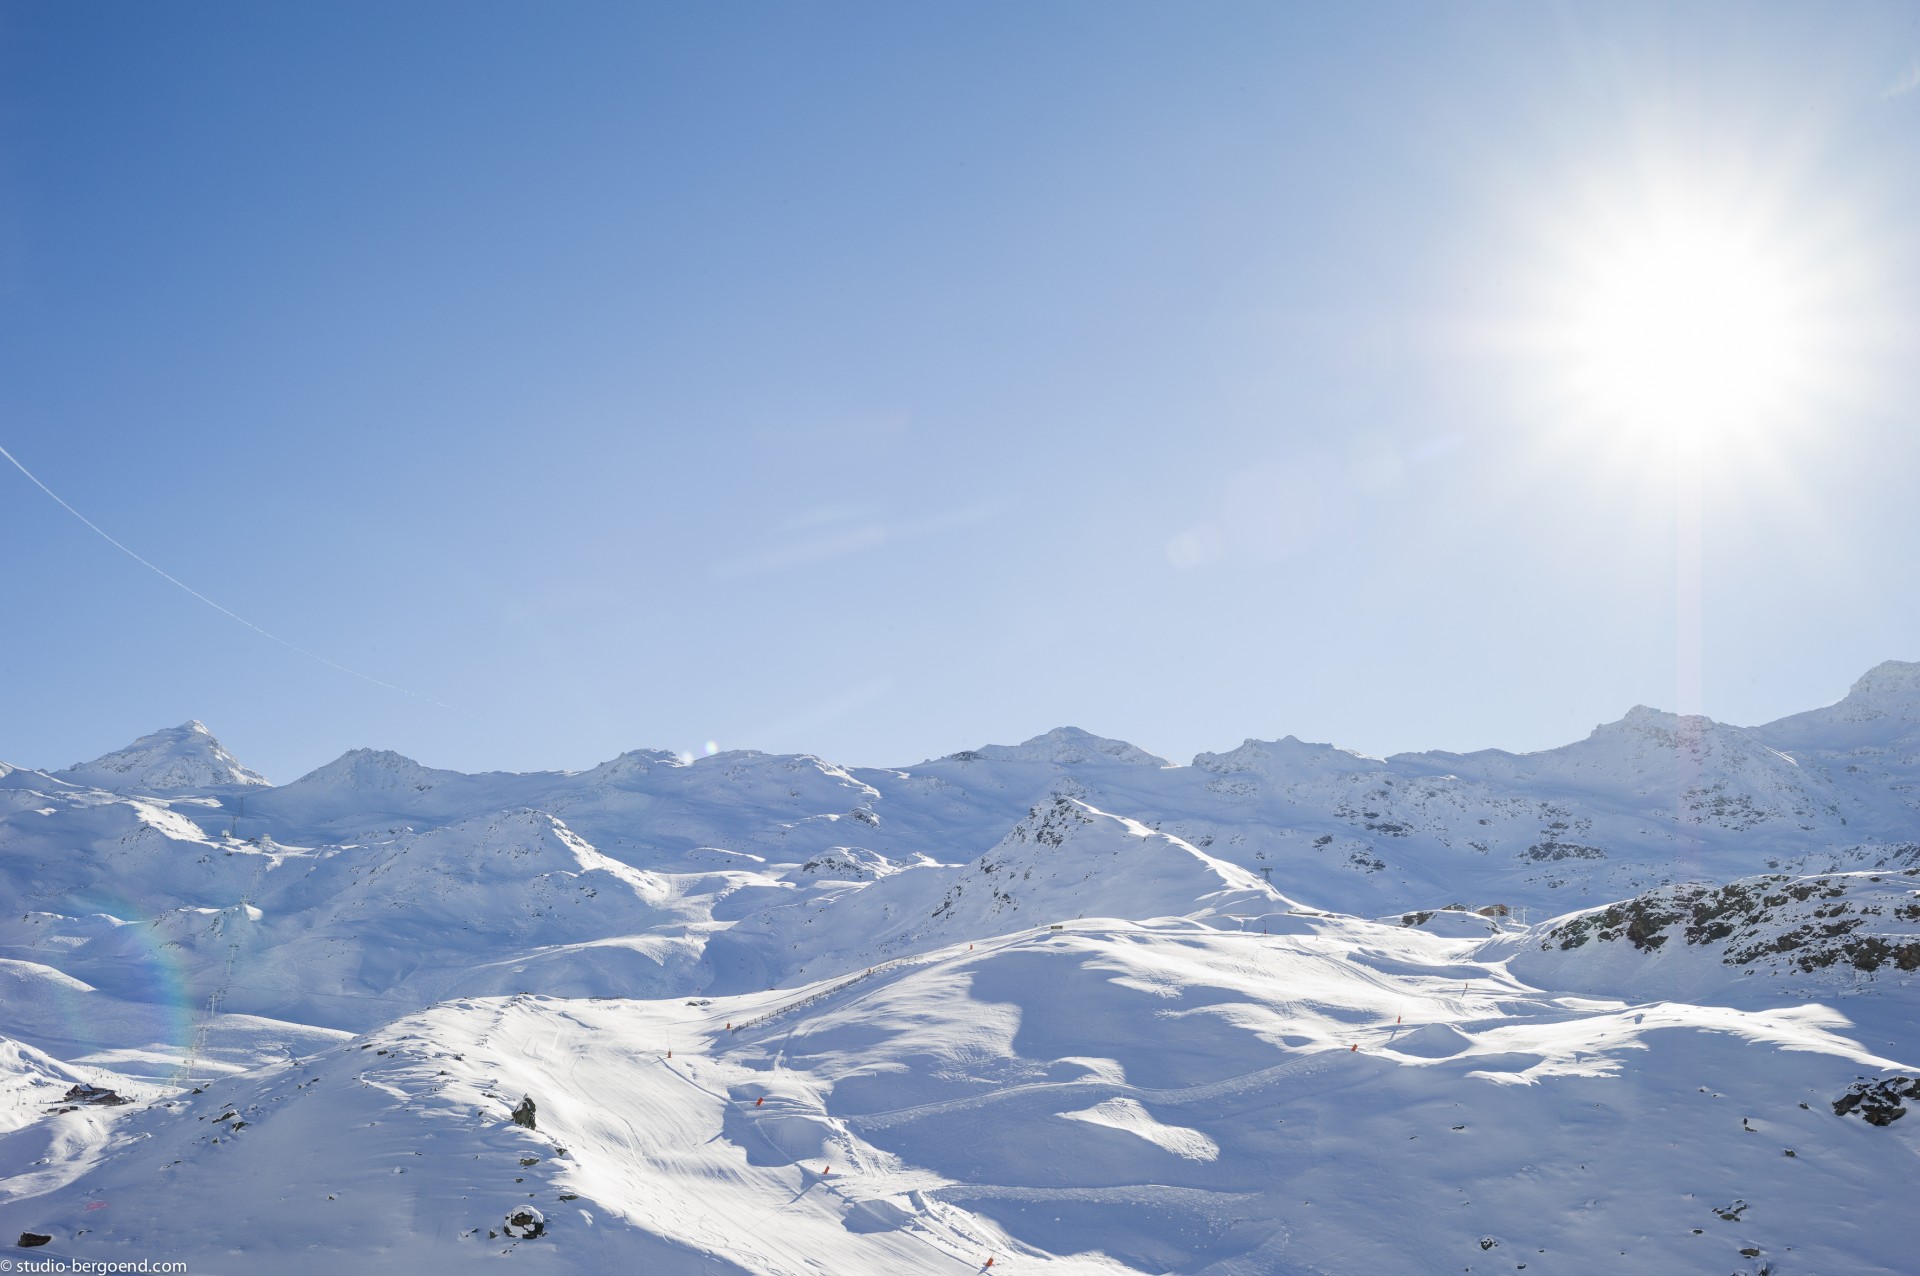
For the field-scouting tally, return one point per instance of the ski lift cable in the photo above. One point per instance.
(180, 584)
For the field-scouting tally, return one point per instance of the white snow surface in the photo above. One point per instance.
(1062, 1005)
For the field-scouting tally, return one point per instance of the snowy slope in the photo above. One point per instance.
(1111, 1098)
(1063, 1004)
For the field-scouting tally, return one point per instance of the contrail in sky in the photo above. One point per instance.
(177, 582)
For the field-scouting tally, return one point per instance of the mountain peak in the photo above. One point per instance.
(1663, 727)
(183, 757)
(1065, 746)
(1888, 693)
(1288, 756)
(633, 765)
(369, 769)
(1888, 681)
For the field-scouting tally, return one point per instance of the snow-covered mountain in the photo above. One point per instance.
(1062, 1004)
(178, 758)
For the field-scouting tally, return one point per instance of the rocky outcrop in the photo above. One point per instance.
(1878, 1101)
(1862, 921)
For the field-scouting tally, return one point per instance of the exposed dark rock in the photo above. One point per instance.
(1544, 852)
(1878, 1102)
(30, 1239)
(523, 1115)
(525, 1223)
(1757, 918)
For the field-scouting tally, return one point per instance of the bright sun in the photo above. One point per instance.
(1686, 332)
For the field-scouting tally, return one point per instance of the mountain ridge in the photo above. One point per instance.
(1890, 689)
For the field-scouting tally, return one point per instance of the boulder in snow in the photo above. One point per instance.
(525, 1222)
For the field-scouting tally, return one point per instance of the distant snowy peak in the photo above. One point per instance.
(1648, 720)
(1063, 746)
(1882, 706)
(375, 770)
(1655, 741)
(1663, 728)
(1890, 689)
(632, 766)
(796, 773)
(1290, 757)
(1662, 739)
(1888, 679)
(182, 757)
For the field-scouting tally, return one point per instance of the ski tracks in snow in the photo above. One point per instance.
(649, 1136)
(1309, 1065)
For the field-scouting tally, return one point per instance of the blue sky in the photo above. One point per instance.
(880, 380)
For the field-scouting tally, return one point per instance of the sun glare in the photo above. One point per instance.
(1685, 332)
